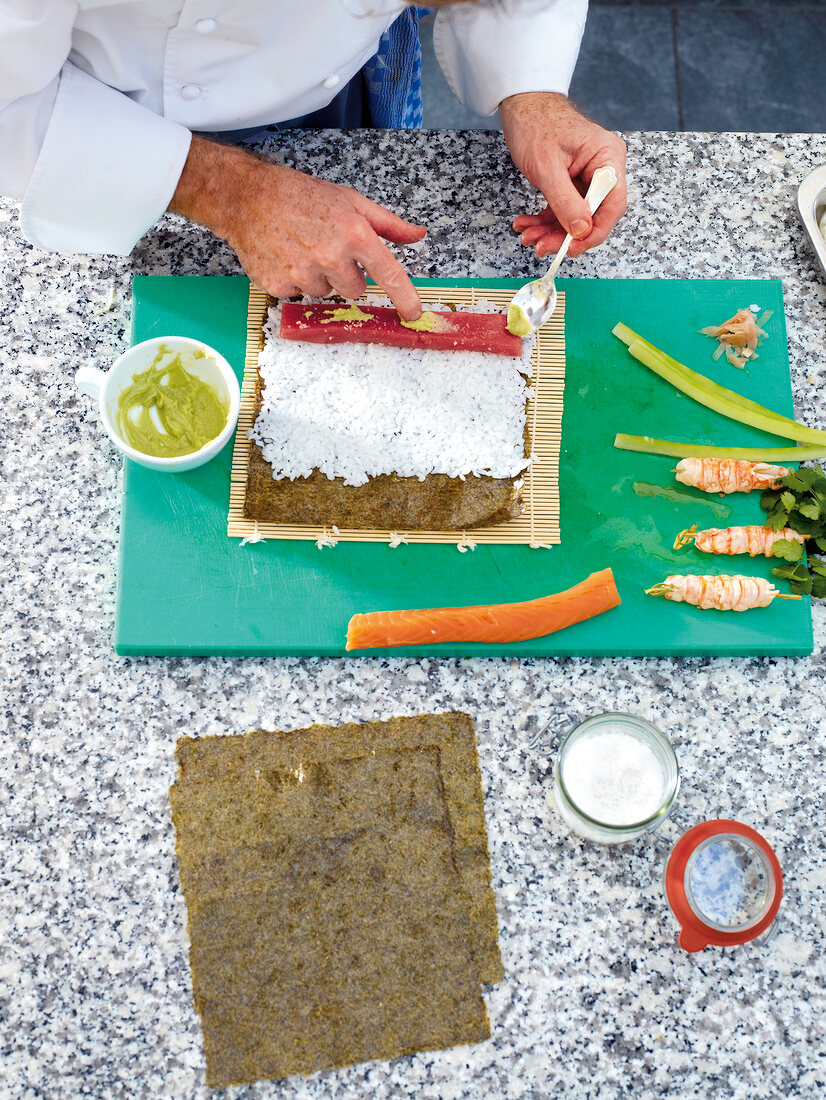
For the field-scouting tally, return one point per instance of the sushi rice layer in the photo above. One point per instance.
(356, 411)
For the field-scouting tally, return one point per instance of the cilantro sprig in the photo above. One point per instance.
(801, 505)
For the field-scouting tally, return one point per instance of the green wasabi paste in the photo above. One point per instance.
(168, 412)
(351, 313)
(426, 323)
(518, 322)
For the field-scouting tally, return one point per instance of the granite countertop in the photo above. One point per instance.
(598, 1001)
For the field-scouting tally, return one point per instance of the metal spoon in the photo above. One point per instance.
(534, 303)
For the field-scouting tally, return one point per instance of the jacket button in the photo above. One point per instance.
(331, 81)
(190, 91)
(206, 26)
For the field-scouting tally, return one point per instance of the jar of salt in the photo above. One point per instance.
(616, 777)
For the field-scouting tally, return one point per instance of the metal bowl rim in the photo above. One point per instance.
(812, 189)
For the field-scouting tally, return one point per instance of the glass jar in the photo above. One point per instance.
(724, 885)
(616, 777)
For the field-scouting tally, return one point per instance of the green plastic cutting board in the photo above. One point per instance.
(186, 588)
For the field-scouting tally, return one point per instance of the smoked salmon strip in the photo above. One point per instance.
(504, 622)
(441, 331)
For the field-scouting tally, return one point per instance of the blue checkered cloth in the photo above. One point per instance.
(393, 75)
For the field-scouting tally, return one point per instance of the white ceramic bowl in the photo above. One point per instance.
(107, 386)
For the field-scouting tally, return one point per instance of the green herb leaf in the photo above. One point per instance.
(811, 510)
(801, 505)
(797, 571)
(798, 577)
(788, 549)
(769, 498)
(808, 517)
(777, 519)
(802, 479)
(808, 527)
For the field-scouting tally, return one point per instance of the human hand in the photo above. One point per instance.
(558, 149)
(292, 233)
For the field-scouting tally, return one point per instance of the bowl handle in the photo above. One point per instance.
(89, 380)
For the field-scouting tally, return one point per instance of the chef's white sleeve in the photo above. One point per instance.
(94, 169)
(490, 52)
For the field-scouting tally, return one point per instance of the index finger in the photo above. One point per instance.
(383, 267)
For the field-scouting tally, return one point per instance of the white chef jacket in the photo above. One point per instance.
(98, 98)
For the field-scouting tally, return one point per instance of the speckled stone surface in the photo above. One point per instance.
(598, 1002)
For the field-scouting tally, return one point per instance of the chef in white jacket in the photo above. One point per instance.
(105, 104)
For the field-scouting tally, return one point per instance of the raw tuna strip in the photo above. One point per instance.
(452, 331)
(504, 622)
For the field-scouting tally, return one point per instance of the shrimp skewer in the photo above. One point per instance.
(752, 540)
(727, 475)
(724, 593)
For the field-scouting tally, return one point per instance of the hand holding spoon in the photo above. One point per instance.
(534, 303)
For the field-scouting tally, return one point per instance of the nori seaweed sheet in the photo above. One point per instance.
(216, 758)
(387, 501)
(235, 832)
(356, 943)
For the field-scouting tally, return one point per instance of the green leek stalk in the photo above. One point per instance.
(721, 400)
(775, 455)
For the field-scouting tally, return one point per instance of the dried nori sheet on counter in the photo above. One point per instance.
(437, 503)
(217, 758)
(235, 833)
(355, 941)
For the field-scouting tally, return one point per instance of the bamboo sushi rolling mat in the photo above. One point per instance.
(539, 523)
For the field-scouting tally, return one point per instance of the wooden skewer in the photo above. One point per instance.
(662, 588)
(684, 537)
(659, 589)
